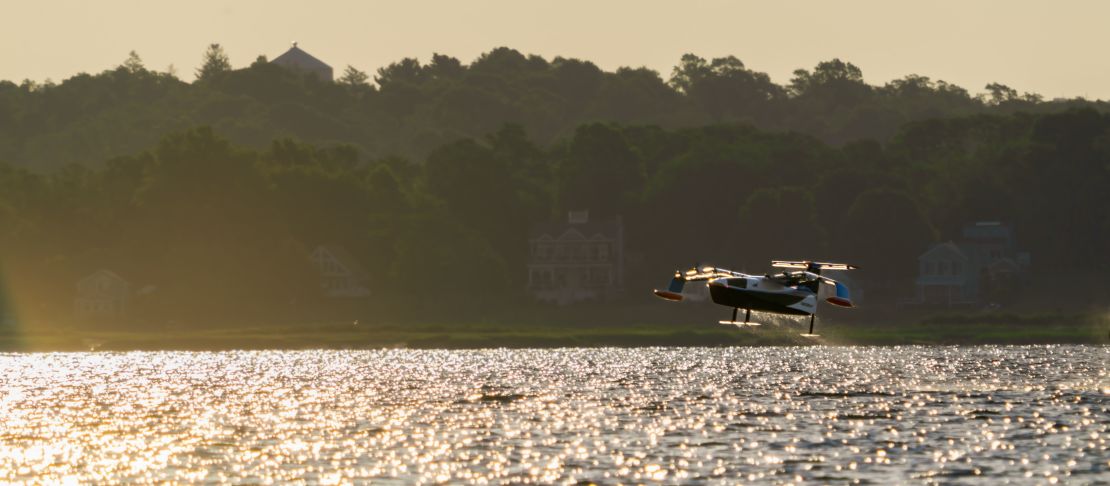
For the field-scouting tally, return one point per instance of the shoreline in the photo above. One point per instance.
(952, 330)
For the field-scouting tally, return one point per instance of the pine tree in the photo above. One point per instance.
(215, 62)
(133, 64)
(353, 77)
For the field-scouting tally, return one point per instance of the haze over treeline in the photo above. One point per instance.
(409, 107)
(211, 192)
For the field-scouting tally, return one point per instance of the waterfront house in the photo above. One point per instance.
(102, 295)
(983, 262)
(576, 260)
(340, 274)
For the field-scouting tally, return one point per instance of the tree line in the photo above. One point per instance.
(209, 228)
(412, 106)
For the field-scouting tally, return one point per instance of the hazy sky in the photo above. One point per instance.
(1052, 48)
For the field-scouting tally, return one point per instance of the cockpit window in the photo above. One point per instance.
(740, 283)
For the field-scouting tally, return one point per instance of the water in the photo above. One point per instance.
(985, 415)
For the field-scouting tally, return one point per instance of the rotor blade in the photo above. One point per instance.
(808, 264)
(789, 264)
(835, 266)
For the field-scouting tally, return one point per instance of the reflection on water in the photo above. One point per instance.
(775, 415)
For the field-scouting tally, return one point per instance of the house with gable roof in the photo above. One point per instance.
(299, 60)
(340, 274)
(102, 295)
(577, 260)
(984, 260)
(944, 275)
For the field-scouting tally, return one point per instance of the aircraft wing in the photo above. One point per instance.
(674, 290)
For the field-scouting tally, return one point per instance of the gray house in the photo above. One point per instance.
(299, 60)
(966, 272)
(577, 260)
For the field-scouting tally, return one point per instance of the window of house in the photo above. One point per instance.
(603, 252)
(600, 276)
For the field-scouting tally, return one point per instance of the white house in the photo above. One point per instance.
(340, 274)
(102, 295)
(944, 276)
(299, 60)
(577, 260)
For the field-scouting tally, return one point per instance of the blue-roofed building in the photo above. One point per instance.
(970, 270)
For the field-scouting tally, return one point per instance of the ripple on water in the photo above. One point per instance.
(775, 415)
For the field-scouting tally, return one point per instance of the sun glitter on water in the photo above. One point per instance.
(776, 415)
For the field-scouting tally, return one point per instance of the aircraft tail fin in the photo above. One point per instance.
(842, 298)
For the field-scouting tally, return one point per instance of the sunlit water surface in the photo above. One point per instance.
(772, 415)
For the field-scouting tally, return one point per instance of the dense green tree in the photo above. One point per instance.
(918, 97)
(883, 232)
(406, 71)
(352, 77)
(209, 212)
(444, 68)
(725, 89)
(438, 260)
(778, 224)
(215, 62)
(133, 64)
(1067, 159)
(479, 192)
(599, 172)
(1000, 93)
